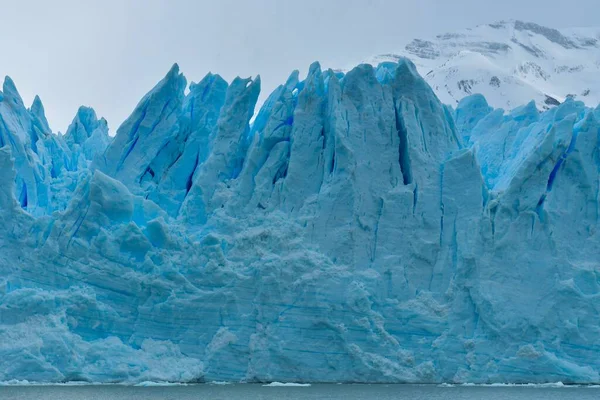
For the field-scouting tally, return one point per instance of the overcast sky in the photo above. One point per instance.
(108, 53)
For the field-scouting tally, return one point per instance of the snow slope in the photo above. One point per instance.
(358, 231)
(510, 63)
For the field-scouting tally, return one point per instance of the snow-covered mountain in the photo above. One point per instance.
(510, 63)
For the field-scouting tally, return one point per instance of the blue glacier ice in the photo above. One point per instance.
(355, 230)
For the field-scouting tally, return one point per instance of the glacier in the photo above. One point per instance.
(355, 229)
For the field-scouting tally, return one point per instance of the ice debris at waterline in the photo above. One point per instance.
(357, 231)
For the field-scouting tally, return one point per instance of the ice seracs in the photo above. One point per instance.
(150, 129)
(357, 230)
(228, 148)
(87, 136)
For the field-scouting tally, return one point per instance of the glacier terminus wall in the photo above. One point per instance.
(354, 230)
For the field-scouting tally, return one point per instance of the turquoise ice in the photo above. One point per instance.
(356, 230)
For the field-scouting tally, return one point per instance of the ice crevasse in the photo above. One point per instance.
(357, 230)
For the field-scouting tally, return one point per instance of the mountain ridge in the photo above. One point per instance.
(510, 63)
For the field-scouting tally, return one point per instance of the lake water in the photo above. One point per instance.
(321, 392)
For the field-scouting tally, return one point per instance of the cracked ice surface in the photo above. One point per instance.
(358, 230)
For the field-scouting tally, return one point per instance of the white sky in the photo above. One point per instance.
(108, 53)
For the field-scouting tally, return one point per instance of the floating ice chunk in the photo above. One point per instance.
(287, 384)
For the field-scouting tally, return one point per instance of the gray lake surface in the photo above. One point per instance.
(317, 391)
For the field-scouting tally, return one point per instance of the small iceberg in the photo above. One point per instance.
(151, 383)
(287, 384)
